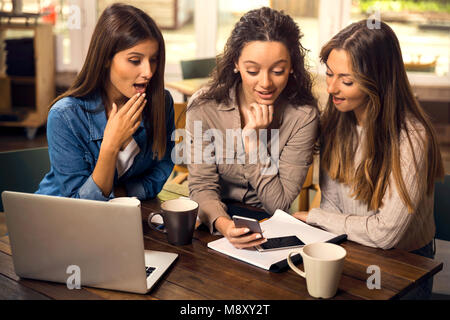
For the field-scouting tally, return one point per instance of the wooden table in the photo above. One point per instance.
(202, 273)
(188, 86)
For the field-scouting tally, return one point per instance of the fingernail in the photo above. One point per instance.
(258, 236)
(246, 230)
(143, 95)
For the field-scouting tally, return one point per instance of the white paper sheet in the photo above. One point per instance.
(279, 225)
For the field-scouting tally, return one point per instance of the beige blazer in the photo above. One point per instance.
(220, 170)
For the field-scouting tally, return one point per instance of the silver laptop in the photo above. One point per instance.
(85, 242)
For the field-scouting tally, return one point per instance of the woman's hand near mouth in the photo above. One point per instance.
(122, 123)
(259, 116)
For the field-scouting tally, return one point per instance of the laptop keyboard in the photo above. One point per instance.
(149, 270)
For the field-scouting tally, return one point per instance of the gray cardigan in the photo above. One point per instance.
(391, 226)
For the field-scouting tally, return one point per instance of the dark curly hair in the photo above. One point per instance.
(264, 24)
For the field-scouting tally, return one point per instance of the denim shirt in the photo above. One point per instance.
(75, 129)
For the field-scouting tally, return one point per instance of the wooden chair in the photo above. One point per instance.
(303, 199)
(180, 123)
(23, 170)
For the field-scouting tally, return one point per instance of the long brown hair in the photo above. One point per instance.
(379, 70)
(264, 24)
(121, 27)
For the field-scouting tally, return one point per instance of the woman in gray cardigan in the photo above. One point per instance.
(379, 153)
(252, 130)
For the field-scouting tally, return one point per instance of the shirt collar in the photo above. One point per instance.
(233, 100)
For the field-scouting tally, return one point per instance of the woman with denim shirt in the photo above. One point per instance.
(110, 134)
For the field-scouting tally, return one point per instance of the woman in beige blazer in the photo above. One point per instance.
(252, 130)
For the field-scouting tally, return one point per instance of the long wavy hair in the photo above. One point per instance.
(264, 24)
(378, 68)
(121, 27)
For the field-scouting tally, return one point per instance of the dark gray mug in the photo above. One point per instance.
(179, 216)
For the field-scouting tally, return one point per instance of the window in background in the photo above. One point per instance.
(174, 18)
(59, 13)
(304, 13)
(422, 27)
(230, 11)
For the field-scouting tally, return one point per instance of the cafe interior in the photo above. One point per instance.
(43, 44)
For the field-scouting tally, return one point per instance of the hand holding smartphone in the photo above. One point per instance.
(244, 222)
(277, 243)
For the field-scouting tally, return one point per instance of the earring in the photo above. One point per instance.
(292, 71)
(235, 70)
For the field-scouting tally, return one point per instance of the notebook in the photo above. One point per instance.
(279, 225)
(57, 239)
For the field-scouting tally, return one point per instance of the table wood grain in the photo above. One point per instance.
(201, 273)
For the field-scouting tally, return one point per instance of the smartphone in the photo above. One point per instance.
(244, 222)
(280, 243)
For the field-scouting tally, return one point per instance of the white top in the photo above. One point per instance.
(126, 157)
(391, 226)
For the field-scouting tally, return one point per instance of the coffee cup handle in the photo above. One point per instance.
(149, 220)
(291, 264)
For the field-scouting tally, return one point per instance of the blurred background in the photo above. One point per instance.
(198, 29)
(43, 44)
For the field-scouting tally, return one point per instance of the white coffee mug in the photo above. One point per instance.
(323, 263)
(128, 200)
